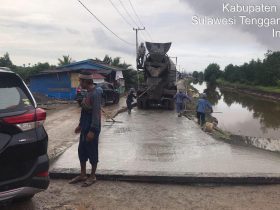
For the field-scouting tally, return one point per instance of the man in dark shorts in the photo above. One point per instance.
(89, 129)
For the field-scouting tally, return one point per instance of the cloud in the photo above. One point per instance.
(28, 26)
(103, 40)
(72, 31)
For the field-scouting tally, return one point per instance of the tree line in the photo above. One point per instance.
(264, 72)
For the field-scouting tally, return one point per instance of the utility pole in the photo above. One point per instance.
(136, 30)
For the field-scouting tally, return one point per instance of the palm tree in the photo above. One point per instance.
(107, 59)
(116, 61)
(66, 59)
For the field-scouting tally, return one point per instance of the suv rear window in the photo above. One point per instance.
(13, 95)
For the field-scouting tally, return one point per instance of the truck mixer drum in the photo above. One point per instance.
(160, 74)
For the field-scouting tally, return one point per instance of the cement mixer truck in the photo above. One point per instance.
(160, 78)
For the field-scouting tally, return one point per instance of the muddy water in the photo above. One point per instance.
(243, 114)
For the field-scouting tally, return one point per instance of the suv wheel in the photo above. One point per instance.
(24, 199)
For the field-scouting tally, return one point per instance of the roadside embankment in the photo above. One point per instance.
(272, 93)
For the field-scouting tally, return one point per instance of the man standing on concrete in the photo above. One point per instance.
(180, 97)
(202, 105)
(89, 127)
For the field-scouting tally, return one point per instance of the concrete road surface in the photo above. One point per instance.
(157, 142)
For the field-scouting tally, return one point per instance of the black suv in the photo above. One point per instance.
(24, 162)
(109, 94)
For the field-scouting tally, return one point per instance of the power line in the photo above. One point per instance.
(104, 24)
(125, 9)
(128, 23)
(123, 17)
(139, 20)
(135, 13)
(127, 12)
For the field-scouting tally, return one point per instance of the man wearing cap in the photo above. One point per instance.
(89, 128)
(202, 105)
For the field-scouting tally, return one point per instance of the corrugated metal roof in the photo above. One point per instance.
(91, 61)
(105, 68)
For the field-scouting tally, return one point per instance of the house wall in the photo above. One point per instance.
(63, 85)
(53, 85)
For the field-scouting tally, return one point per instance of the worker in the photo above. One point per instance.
(129, 99)
(89, 128)
(202, 105)
(180, 97)
(181, 85)
(141, 54)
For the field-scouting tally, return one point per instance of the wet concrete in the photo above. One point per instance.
(157, 142)
(60, 124)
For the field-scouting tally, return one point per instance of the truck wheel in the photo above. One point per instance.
(139, 104)
(171, 105)
(145, 104)
(24, 199)
(165, 104)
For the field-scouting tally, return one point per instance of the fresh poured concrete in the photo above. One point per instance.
(158, 143)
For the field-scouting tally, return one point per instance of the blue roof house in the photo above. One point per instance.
(61, 83)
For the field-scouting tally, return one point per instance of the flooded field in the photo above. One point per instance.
(243, 114)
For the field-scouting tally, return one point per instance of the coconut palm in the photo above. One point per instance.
(66, 59)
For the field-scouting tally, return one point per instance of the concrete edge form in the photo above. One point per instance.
(184, 178)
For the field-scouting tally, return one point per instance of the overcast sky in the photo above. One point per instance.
(38, 31)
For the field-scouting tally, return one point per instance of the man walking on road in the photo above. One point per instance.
(180, 98)
(89, 129)
(202, 105)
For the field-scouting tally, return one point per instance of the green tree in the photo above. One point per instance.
(195, 74)
(212, 73)
(200, 76)
(5, 61)
(107, 59)
(66, 59)
(256, 72)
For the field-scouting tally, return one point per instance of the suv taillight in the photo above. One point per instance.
(29, 120)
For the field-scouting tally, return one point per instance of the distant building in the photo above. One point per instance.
(61, 83)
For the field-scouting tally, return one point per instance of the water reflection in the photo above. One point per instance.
(244, 114)
(213, 94)
(266, 111)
